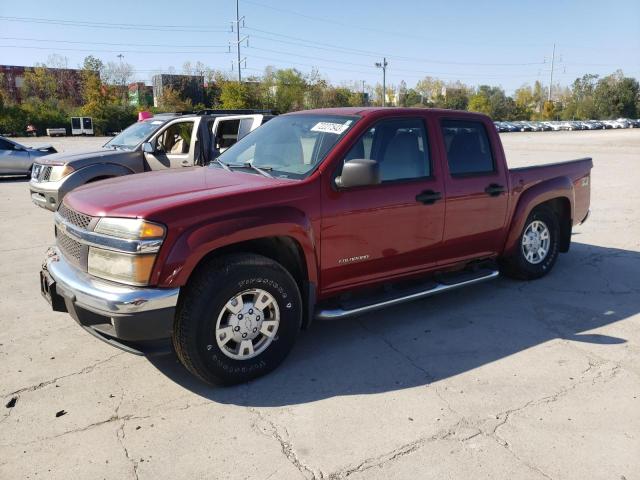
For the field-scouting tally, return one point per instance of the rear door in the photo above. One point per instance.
(227, 130)
(390, 229)
(476, 190)
(174, 145)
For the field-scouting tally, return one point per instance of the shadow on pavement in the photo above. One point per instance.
(14, 179)
(433, 339)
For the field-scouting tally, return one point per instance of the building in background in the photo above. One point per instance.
(188, 86)
(68, 80)
(140, 95)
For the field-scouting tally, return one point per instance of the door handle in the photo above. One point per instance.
(494, 189)
(185, 163)
(428, 197)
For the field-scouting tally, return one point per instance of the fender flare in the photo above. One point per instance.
(86, 174)
(189, 247)
(558, 187)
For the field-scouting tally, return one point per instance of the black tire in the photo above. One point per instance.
(211, 287)
(517, 266)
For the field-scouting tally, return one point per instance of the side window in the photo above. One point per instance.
(245, 127)
(468, 147)
(4, 145)
(227, 133)
(399, 146)
(176, 139)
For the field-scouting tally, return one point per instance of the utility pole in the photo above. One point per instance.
(553, 60)
(363, 97)
(239, 40)
(383, 66)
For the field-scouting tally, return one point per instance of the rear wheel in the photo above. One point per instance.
(237, 319)
(538, 246)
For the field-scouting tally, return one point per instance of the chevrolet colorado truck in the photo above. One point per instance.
(161, 142)
(321, 214)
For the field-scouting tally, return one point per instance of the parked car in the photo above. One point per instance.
(323, 214)
(16, 159)
(161, 142)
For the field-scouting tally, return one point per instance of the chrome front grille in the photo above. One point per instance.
(70, 248)
(78, 219)
(46, 173)
(73, 250)
(40, 173)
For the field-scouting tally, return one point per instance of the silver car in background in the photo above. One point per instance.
(16, 159)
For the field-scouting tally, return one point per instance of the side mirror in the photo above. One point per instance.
(148, 148)
(359, 172)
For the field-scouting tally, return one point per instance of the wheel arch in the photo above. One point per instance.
(558, 194)
(92, 173)
(283, 234)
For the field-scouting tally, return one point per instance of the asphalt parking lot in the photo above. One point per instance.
(503, 380)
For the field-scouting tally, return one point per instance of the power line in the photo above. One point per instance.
(312, 44)
(165, 52)
(163, 45)
(119, 26)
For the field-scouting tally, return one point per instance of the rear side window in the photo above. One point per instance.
(227, 133)
(468, 147)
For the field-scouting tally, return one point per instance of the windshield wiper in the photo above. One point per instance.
(222, 164)
(261, 170)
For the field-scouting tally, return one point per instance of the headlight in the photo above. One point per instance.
(58, 172)
(120, 267)
(130, 228)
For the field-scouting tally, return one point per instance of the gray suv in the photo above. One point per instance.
(160, 142)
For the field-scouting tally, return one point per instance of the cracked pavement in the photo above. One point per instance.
(526, 380)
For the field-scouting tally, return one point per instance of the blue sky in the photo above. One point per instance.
(505, 43)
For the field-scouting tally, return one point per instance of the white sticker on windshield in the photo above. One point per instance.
(329, 127)
(157, 122)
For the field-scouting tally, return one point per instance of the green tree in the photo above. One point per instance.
(548, 110)
(172, 101)
(480, 103)
(525, 103)
(616, 96)
(457, 98)
(39, 83)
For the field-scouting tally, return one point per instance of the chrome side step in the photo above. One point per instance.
(339, 313)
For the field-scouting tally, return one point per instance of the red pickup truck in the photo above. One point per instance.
(319, 214)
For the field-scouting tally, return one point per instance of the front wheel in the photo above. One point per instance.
(237, 319)
(538, 246)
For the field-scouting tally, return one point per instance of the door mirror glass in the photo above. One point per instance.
(359, 172)
(147, 147)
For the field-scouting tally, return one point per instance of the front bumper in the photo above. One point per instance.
(46, 194)
(138, 320)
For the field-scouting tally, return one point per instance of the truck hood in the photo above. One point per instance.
(82, 158)
(144, 194)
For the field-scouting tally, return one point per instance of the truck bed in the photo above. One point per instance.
(578, 171)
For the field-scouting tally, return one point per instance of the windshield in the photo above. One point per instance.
(290, 146)
(134, 135)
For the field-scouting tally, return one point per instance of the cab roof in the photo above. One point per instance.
(366, 111)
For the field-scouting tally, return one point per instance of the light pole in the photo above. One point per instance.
(383, 66)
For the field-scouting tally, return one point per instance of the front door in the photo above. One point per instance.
(476, 186)
(13, 160)
(174, 146)
(390, 229)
